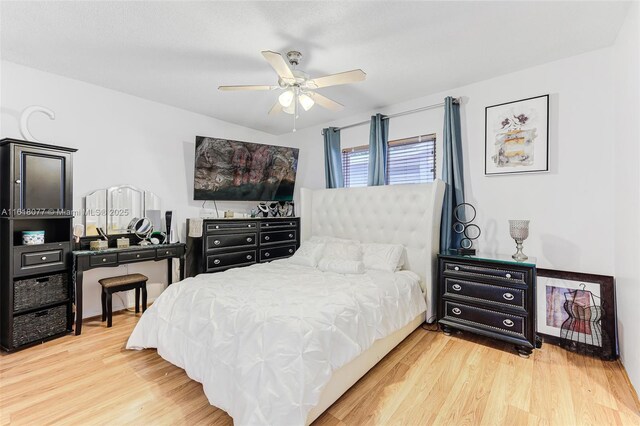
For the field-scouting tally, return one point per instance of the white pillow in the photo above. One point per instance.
(383, 257)
(308, 254)
(341, 266)
(318, 239)
(350, 250)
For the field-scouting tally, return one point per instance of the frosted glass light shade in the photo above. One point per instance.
(290, 109)
(306, 101)
(286, 98)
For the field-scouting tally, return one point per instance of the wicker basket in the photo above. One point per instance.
(39, 325)
(32, 293)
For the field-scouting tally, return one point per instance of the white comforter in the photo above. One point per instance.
(264, 340)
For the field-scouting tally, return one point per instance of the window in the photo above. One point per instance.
(410, 160)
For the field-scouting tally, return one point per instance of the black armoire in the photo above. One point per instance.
(36, 194)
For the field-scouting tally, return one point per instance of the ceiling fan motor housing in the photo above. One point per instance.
(294, 57)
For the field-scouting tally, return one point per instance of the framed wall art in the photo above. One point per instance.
(517, 137)
(577, 311)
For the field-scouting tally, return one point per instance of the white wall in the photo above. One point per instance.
(120, 139)
(626, 139)
(570, 208)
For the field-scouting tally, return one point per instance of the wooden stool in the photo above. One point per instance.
(122, 283)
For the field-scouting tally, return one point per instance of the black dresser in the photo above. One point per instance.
(489, 295)
(35, 286)
(229, 243)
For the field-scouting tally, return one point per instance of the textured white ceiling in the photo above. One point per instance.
(179, 52)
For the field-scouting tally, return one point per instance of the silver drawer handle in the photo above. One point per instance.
(249, 257)
(216, 242)
(249, 239)
(456, 311)
(18, 181)
(217, 227)
(290, 250)
(216, 261)
(249, 226)
(44, 258)
(508, 296)
(290, 235)
(104, 259)
(508, 323)
(456, 268)
(456, 287)
(508, 275)
(137, 255)
(267, 254)
(166, 252)
(266, 238)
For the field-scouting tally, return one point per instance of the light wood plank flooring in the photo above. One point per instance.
(429, 379)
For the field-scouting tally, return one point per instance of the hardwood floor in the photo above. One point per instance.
(429, 379)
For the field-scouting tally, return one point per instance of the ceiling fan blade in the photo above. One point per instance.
(340, 78)
(325, 102)
(279, 64)
(254, 87)
(276, 108)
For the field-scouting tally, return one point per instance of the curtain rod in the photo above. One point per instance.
(398, 114)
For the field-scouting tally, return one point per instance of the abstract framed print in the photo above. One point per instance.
(517, 137)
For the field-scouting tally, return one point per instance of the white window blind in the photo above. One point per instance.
(410, 160)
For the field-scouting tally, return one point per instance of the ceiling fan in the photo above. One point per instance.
(297, 87)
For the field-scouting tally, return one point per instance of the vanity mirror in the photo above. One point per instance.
(113, 209)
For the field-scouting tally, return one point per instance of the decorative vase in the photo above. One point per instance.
(519, 230)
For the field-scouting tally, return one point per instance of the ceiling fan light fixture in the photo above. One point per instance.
(286, 98)
(291, 109)
(306, 101)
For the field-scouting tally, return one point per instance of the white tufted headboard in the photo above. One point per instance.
(400, 214)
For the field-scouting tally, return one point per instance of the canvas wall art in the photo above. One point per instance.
(517, 136)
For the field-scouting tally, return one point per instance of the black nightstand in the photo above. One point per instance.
(489, 295)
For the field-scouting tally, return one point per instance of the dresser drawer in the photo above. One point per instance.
(485, 318)
(271, 224)
(41, 258)
(30, 293)
(104, 259)
(276, 253)
(227, 260)
(478, 271)
(213, 242)
(490, 293)
(131, 256)
(212, 227)
(273, 237)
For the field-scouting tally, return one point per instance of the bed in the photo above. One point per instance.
(278, 343)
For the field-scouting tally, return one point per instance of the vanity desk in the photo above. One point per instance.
(83, 260)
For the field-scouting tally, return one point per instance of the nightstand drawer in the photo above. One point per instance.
(480, 271)
(485, 318)
(489, 293)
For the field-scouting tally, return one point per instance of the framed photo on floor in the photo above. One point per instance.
(577, 311)
(517, 137)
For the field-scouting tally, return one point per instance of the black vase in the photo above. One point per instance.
(167, 218)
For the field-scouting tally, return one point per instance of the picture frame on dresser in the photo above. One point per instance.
(554, 292)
